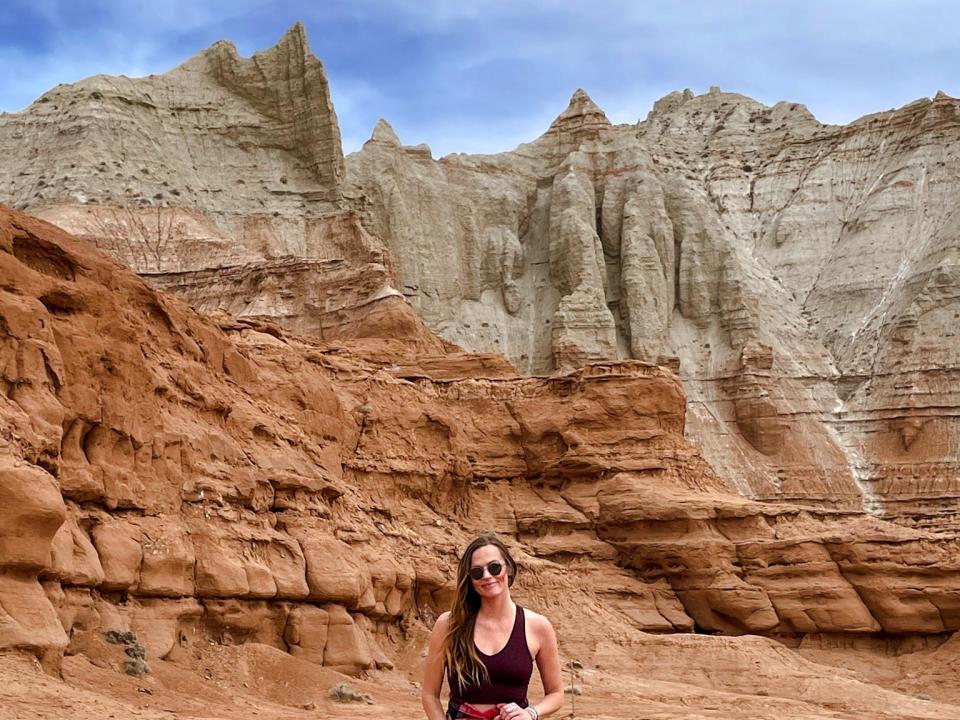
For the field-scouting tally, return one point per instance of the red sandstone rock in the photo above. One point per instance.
(229, 483)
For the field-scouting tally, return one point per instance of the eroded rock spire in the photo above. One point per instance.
(384, 133)
(582, 117)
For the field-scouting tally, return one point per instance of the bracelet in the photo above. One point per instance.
(534, 713)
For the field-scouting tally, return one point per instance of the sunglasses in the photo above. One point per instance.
(494, 568)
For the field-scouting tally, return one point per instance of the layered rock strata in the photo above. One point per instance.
(222, 164)
(803, 274)
(241, 155)
(232, 483)
(577, 247)
(800, 272)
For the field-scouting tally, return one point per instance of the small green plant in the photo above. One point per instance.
(136, 662)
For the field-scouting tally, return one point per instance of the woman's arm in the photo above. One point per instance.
(548, 663)
(433, 670)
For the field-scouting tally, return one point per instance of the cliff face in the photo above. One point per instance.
(218, 484)
(804, 275)
(222, 159)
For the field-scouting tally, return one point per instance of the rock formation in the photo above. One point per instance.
(220, 180)
(225, 482)
(803, 274)
(285, 481)
(735, 237)
(221, 160)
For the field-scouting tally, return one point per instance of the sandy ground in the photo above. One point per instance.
(258, 681)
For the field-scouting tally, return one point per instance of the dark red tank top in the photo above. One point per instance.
(509, 670)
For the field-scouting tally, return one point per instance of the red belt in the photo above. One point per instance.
(469, 711)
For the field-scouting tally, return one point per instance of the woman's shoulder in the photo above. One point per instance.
(439, 632)
(443, 621)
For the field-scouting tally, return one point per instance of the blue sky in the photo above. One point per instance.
(486, 75)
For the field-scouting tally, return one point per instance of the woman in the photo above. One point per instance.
(487, 645)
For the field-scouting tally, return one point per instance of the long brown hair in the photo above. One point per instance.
(460, 653)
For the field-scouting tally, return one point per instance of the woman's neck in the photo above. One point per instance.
(500, 606)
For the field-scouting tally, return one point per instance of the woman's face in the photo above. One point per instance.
(489, 586)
